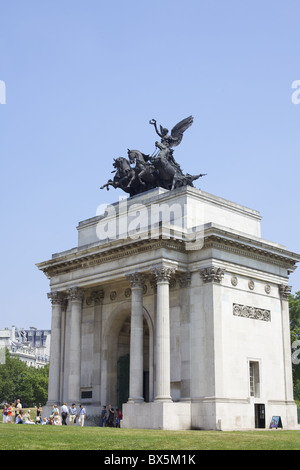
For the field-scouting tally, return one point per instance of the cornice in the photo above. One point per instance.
(250, 247)
(214, 237)
(93, 257)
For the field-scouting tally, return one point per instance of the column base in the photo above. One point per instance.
(157, 415)
(52, 402)
(135, 400)
(163, 399)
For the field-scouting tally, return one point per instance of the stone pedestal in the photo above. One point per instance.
(157, 415)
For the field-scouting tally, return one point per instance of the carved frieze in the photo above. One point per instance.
(251, 312)
(127, 292)
(267, 288)
(113, 295)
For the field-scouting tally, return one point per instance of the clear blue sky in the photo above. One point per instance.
(83, 78)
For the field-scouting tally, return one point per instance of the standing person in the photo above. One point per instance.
(38, 419)
(72, 414)
(82, 415)
(103, 417)
(119, 417)
(9, 413)
(4, 413)
(54, 410)
(111, 416)
(13, 412)
(18, 407)
(64, 414)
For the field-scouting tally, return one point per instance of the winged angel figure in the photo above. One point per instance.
(176, 134)
(156, 170)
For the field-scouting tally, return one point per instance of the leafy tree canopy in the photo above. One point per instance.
(294, 306)
(17, 380)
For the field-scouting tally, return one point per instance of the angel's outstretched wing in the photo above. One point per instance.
(178, 130)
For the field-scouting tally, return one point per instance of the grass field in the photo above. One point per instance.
(24, 437)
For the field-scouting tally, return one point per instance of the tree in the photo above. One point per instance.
(17, 380)
(294, 307)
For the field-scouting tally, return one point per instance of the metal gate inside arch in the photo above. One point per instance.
(123, 380)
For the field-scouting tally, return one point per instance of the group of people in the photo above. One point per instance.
(13, 413)
(65, 414)
(110, 417)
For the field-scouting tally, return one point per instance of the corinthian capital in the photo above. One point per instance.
(96, 297)
(163, 273)
(75, 294)
(136, 279)
(212, 274)
(285, 291)
(57, 298)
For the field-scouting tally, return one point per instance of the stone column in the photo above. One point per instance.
(96, 298)
(163, 359)
(136, 338)
(58, 301)
(284, 292)
(74, 363)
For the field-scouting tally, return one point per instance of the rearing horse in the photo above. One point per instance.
(124, 174)
(144, 173)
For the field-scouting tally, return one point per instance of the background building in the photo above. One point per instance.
(31, 346)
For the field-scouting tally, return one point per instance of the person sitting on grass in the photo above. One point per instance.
(19, 418)
(27, 418)
(57, 418)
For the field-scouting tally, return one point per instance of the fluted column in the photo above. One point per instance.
(136, 338)
(58, 301)
(96, 298)
(74, 362)
(284, 292)
(163, 360)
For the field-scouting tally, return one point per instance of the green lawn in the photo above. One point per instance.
(24, 437)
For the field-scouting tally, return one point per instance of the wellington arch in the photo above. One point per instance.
(175, 323)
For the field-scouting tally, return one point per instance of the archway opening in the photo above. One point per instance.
(123, 359)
